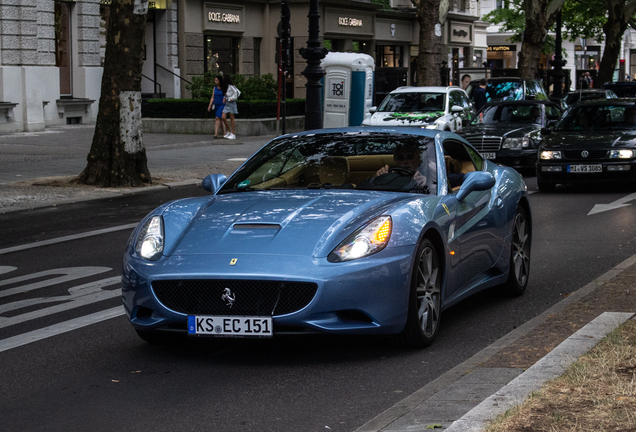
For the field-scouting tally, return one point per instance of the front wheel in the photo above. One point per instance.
(425, 299)
(519, 270)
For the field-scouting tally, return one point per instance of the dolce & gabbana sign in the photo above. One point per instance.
(339, 21)
(223, 17)
(350, 22)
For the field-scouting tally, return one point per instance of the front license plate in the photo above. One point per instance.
(228, 326)
(585, 168)
(488, 155)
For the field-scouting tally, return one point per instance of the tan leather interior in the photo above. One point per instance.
(334, 170)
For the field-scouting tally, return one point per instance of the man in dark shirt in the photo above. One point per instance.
(480, 95)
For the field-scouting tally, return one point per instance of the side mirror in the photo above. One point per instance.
(545, 131)
(372, 110)
(213, 182)
(457, 109)
(475, 181)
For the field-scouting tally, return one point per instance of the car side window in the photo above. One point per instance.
(465, 101)
(552, 113)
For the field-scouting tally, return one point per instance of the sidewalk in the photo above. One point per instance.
(35, 164)
(463, 399)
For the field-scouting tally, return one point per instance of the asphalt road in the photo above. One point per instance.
(102, 377)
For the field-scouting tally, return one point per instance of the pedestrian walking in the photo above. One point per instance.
(231, 95)
(583, 82)
(480, 96)
(217, 104)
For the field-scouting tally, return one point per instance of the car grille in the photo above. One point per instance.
(485, 143)
(593, 154)
(251, 297)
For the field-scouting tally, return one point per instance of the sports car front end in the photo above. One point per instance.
(306, 266)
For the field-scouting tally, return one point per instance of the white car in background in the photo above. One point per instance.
(442, 108)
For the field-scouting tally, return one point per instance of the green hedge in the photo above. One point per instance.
(198, 108)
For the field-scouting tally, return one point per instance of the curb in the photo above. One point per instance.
(552, 366)
(392, 415)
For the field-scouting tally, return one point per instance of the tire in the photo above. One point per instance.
(160, 337)
(424, 309)
(519, 270)
(545, 186)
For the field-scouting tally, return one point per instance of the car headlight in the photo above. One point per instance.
(369, 239)
(430, 126)
(547, 154)
(516, 143)
(622, 154)
(149, 244)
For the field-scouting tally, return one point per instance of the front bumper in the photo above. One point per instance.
(518, 159)
(365, 296)
(558, 172)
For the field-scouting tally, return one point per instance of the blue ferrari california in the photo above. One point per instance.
(341, 231)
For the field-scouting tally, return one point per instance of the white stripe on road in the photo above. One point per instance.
(56, 329)
(67, 238)
(80, 296)
(65, 275)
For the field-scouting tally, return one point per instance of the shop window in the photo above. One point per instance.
(389, 55)
(63, 47)
(221, 54)
(361, 47)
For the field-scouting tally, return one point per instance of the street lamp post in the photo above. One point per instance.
(313, 72)
(558, 62)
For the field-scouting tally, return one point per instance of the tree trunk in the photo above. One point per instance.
(429, 53)
(540, 16)
(619, 12)
(117, 156)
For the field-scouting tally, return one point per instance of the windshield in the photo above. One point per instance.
(369, 161)
(413, 102)
(599, 117)
(497, 114)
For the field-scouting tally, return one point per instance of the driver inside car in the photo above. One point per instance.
(407, 159)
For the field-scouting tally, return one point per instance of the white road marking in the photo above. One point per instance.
(67, 274)
(237, 159)
(598, 208)
(79, 296)
(67, 238)
(7, 269)
(63, 327)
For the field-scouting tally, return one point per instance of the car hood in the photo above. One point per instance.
(504, 130)
(590, 139)
(403, 119)
(308, 223)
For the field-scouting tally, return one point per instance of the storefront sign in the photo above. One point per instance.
(460, 33)
(589, 50)
(223, 17)
(495, 48)
(349, 22)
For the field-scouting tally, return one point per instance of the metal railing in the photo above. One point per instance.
(169, 71)
(153, 81)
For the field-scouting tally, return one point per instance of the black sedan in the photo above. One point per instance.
(595, 141)
(508, 133)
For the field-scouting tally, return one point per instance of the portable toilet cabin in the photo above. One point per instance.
(347, 88)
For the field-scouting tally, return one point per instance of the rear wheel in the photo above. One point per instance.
(519, 255)
(424, 309)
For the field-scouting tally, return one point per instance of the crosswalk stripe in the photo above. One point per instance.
(56, 329)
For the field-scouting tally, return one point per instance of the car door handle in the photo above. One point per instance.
(499, 202)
